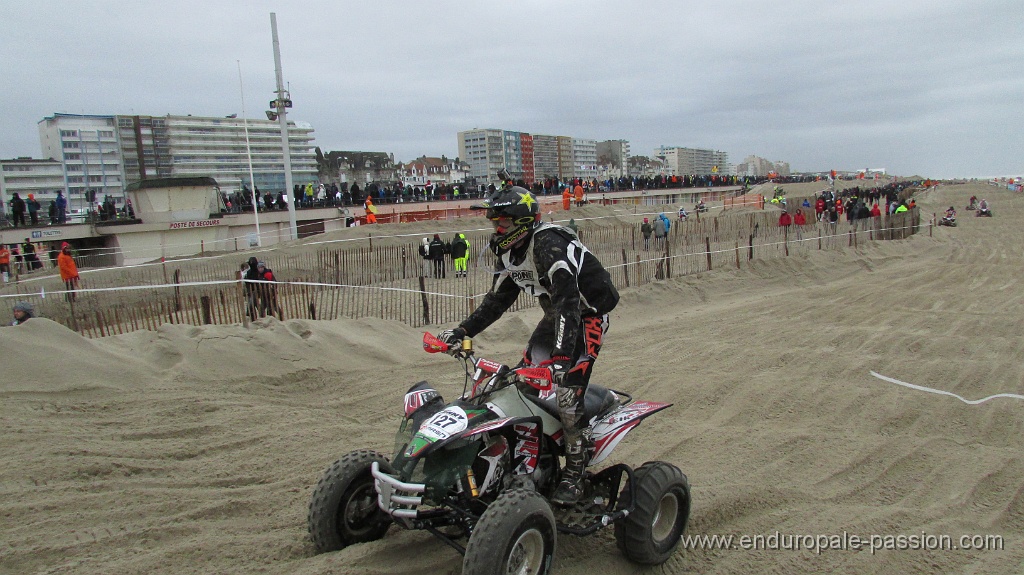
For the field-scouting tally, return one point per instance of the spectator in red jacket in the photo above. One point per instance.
(799, 218)
(785, 220)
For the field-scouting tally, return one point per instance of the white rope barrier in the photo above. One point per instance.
(942, 392)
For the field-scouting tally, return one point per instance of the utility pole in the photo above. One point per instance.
(283, 102)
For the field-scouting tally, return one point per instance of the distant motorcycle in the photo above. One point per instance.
(948, 221)
(984, 212)
(700, 208)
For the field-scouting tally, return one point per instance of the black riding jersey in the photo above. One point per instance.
(568, 279)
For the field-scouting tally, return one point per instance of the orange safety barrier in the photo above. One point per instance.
(753, 200)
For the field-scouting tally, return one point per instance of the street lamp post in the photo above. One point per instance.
(283, 102)
(248, 153)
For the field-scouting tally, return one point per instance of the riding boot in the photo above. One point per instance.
(570, 489)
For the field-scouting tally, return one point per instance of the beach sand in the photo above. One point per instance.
(195, 449)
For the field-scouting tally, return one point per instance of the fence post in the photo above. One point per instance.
(207, 309)
(423, 297)
(625, 266)
(785, 240)
(737, 254)
(177, 290)
(74, 320)
(707, 246)
(819, 239)
(668, 258)
(750, 249)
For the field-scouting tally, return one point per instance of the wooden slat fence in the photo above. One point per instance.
(386, 278)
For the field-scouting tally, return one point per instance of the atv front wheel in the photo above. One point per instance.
(515, 535)
(344, 508)
(650, 534)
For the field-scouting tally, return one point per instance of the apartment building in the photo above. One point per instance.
(532, 157)
(613, 158)
(584, 158)
(24, 176)
(484, 151)
(105, 153)
(757, 167)
(192, 146)
(545, 157)
(680, 161)
(89, 152)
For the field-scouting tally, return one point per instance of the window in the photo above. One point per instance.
(72, 156)
(106, 133)
(93, 179)
(69, 133)
(73, 145)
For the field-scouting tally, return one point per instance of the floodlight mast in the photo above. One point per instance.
(283, 102)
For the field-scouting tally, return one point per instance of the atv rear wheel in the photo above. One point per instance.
(515, 535)
(650, 534)
(344, 508)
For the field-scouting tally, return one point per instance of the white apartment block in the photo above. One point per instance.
(88, 150)
(584, 158)
(693, 161)
(484, 151)
(192, 146)
(24, 176)
(105, 153)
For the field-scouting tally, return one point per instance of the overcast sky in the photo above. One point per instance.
(932, 88)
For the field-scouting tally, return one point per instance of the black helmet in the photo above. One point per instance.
(518, 205)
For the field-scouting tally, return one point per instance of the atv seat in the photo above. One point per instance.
(597, 402)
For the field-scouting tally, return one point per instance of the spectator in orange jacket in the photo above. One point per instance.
(68, 271)
(578, 193)
(566, 198)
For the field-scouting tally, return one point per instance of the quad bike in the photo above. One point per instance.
(483, 467)
(984, 212)
(700, 208)
(948, 221)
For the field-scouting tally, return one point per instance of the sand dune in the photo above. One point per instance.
(194, 449)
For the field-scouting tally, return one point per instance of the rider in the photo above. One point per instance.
(951, 212)
(983, 206)
(682, 213)
(576, 294)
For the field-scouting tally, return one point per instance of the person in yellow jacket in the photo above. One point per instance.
(68, 271)
(460, 254)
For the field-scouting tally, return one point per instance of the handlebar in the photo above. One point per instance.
(538, 378)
